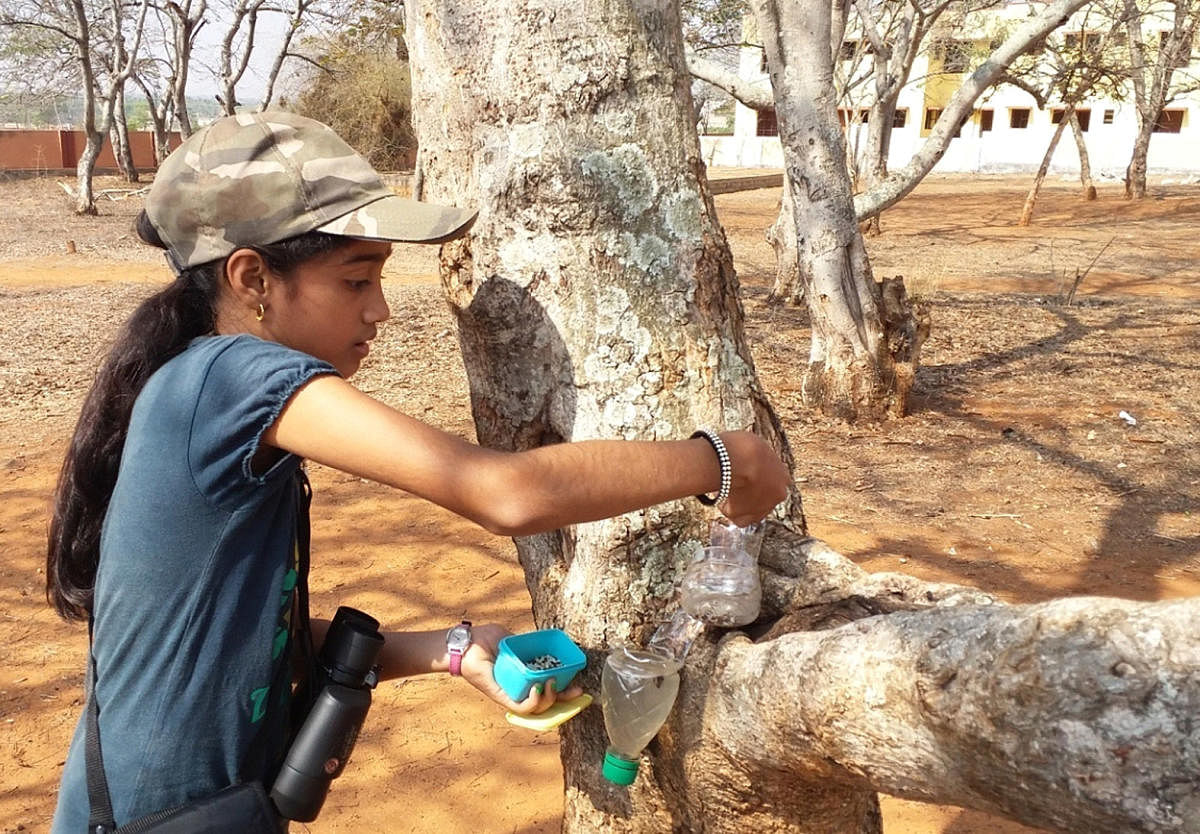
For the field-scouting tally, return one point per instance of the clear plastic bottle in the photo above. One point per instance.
(721, 587)
(675, 637)
(637, 690)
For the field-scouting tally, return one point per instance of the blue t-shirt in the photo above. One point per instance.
(195, 586)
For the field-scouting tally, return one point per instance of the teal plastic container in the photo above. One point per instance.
(517, 651)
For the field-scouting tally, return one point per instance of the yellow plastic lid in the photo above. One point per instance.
(551, 718)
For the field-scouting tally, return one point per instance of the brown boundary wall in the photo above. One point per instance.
(55, 151)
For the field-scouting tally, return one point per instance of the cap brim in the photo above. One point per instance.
(400, 219)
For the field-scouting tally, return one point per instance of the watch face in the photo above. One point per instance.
(459, 637)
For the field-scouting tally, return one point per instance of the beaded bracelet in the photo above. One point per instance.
(726, 467)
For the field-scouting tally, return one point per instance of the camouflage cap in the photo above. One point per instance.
(258, 178)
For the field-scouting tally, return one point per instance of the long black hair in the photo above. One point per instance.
(159, 329)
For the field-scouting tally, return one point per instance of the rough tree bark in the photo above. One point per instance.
(595, 298)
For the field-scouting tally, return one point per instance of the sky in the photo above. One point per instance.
(202, 80)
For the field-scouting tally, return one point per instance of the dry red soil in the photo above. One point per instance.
(1014, 472)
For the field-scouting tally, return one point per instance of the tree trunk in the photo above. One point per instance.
(1085, 165)
(1135, 172)
(283, 49)
(160, 117)
(879, 141)
(595, 298)
(122, 62)
(1074, 715)
(232, 61)
(1031, 197)
(121, 149)
(851, 372)
(85, 198)
(186, 22)
(1152, 81)
(789, 286)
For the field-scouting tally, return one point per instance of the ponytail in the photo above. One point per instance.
(159, 329)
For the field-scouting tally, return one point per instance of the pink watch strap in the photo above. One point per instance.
(458, 640)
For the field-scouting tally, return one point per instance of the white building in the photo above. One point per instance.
(1006, 133)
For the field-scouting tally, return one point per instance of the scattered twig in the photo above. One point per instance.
(1135, 439)
(1079, 276)
(992, 515)
(123, 193)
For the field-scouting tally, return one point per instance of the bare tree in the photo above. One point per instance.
(241, 39)
(1153, 67)
(186, 18)
(896, 33)
(1078, 62)
(38, 67)
(159, 100)
(595, 297)
(104, 40)
(120, 45)
(866, 337)
(1029, 35)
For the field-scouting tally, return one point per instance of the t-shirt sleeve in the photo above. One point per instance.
(245, 387)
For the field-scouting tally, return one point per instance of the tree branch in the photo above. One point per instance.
(34, 24)
(897, 185)
(1022, 84)
(755, 95)
(1077, 714)
(871, 29)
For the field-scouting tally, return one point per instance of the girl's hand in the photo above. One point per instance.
(760, 478)
(477, 669)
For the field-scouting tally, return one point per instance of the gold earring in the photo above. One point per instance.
(260, 312)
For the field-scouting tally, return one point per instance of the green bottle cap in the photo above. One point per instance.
(619, 770)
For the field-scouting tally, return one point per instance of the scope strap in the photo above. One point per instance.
(100, 813)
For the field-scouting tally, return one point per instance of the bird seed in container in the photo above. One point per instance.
(544, 662)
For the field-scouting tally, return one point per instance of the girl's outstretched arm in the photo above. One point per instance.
(332, 423)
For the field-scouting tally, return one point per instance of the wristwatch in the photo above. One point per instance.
(458, 640)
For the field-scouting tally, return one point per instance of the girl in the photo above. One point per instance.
(176, 515)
